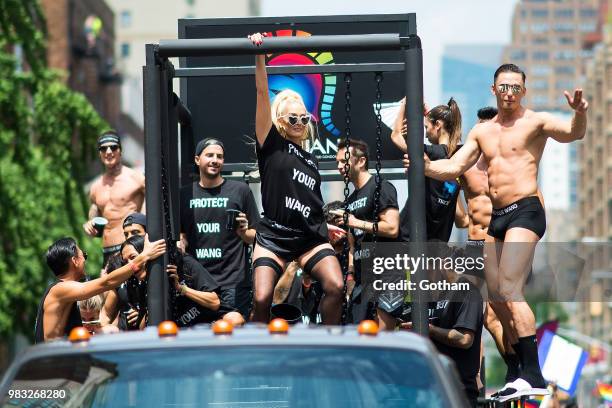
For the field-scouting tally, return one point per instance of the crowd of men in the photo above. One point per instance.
(496, 168)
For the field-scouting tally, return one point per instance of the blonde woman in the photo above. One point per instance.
(293, 226)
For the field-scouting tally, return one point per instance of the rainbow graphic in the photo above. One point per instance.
(605, 390)
(318, 90)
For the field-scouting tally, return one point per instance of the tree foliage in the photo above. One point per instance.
(47, 135)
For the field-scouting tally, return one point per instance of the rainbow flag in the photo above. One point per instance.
(605, 390)
(534, 401)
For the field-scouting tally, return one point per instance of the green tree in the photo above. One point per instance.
(47, 135)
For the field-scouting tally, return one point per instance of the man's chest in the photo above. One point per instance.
(116, 193)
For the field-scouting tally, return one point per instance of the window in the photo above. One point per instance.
(539, 27)
(125, 18)
(588, 13)
(524, 27)
(588, 27)
(564, 13)
(565, 55)
(125, 50)
(539, 41)
(318, 376)
(540, 55)
(540, 84)
(539, 13)
(564, 84)
(566, 40)
(541, 70)
(539, 100)
(517, 55)
(565, 70)
(564, 27)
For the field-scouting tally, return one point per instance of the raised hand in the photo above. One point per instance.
(257, 38)
(577, 102)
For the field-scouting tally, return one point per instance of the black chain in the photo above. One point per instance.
(170, 243)
(347, 168)
(377, 178)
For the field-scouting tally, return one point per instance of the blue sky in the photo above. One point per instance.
(439, 23)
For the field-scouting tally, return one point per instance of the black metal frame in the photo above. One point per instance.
(163, 111)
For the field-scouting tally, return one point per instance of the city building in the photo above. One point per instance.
(467, 75)
(548, 42)
(139, 22)
(552, 40)
(81, 42)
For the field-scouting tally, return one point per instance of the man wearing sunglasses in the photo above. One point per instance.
(119, 191)
(512, 144)
(58, 312)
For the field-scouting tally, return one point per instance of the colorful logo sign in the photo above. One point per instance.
(317, 90)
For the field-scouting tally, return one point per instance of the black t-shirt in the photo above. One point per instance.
(361, 204)
(74, 317)
(198, 278)
(203, 219)
(290, 189)
(131, 294)
(440, 202)
(462, 310)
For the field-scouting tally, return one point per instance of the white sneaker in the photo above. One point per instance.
(495, 395)
(519, 388)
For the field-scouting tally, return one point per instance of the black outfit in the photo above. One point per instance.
(74, 317)
(197, 277)
(474, 248)
(362, 205)
(461, 310)
(440, 202)
(221, 251)
(293, 219)
(525, 213)
(131, 294)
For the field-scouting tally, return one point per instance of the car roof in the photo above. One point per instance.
(249, 335)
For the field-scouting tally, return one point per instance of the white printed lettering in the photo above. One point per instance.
(208, 228)
(214, 202)
(294, 204)
(206, 253)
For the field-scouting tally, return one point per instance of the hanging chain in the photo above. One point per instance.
(347, 168)
(377, 177)
(170, 243)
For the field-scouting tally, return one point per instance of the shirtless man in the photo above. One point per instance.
(115, 194)
(58, 312)
(512, 145)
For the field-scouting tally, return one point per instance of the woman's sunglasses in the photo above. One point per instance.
(102, 149)
(294, 119)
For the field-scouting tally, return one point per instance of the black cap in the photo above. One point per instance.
(135, 218)
(203, 144)
(109, 137)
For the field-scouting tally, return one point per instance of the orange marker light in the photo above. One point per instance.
(278, 326)
(222, 327)
(368, 327)
(79, 334)
(167, 328)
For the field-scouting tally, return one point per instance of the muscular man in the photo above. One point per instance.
(222, 249)
(118, 192)
(362, 207)
(512, 145)
(58, 312)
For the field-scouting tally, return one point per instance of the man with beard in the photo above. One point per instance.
(208, 230)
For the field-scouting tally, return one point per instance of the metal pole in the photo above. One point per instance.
(152, 130)
(244, 46)
(413, 56)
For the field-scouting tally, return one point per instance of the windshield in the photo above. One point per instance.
(235, 377)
